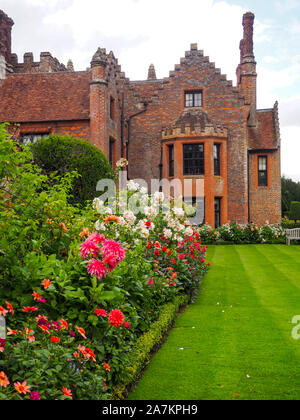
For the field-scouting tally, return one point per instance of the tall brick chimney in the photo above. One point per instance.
(6, 25)
(99, 101)
(151, 72)
(246, 71)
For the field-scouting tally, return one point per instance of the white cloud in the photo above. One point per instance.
(270, 81)
(158, 31)
(290, 148)
(290, 112)
(286, 5)
(294, 27)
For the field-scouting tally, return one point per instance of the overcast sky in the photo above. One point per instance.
(141, 32)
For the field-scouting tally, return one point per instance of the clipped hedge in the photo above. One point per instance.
(295, 211)
(141, 352)
(63, 154)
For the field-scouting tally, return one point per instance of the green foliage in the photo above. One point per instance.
(290, 192)
(63, 154)
(140, 353)
(30, 355)
(290, 224)
(37, 225)
(295, 211)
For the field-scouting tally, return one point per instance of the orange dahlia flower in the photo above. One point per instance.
(4, 380)
(22, 388)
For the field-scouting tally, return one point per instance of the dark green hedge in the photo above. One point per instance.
(64, 154)
(141, 352)
(295, 211)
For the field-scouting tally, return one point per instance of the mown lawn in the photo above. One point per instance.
(235, 341)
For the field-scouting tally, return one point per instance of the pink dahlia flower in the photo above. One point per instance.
(97, 238)
(112, 253)
(97, 268)
(88, 249)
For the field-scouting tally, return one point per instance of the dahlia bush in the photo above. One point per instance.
(78, 287)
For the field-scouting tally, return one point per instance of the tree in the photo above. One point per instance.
(290, 192)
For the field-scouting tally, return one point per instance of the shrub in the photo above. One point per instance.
(63, 154)
(37, 225)
(235, 233)
(140, 353)
(295, 211)
(289, 224)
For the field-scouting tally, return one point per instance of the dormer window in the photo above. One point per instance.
(193, 99)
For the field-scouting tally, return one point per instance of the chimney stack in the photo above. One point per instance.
(246, 71)
(99, 102)
(6, 25)
(151, 72)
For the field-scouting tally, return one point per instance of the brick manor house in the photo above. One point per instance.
(193, 124)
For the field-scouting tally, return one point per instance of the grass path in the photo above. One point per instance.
(236, 338)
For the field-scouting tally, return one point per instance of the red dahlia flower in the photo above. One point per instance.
(30, 309)
(116, 318)
(9, 307)
(101, 312)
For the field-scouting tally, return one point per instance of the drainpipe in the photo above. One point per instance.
(248, 173)
(122, 126)
(161, 163)
(129, 132)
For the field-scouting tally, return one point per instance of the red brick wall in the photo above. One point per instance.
(265, 202)
(166, 102)
(77, 129)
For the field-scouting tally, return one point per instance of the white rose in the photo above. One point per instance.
(189, 231)
(100, 226)
(179, 212)
(159, 196)
(167, 233)
(129, 217)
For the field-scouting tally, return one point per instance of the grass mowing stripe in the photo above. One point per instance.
(242, 351)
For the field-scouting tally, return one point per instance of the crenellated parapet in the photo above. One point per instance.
(47, 64)
(194, 123)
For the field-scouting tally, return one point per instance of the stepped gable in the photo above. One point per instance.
(266, 135)
(195, 122)
(45, 97)
(196, 57)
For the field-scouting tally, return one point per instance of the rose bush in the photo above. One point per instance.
(237, 233)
